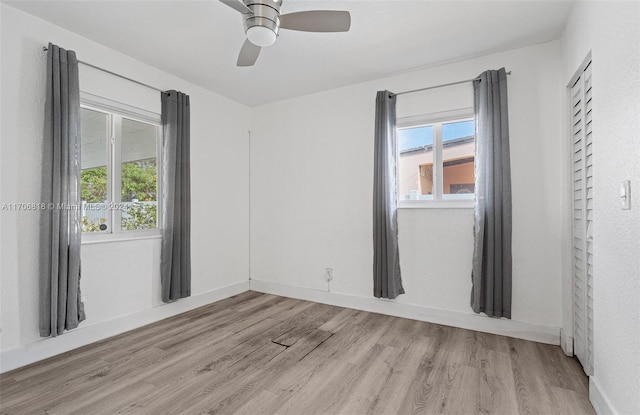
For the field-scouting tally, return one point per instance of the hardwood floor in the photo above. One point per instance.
(261, 354)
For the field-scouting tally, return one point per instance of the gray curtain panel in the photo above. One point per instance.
(175, 258)
(387, 281)
(60, 231)
(491, 275)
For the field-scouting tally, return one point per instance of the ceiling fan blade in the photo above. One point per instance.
(248, 54)
(317, 21)
(237, 5)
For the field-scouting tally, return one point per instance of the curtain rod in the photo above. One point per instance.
(438, 86)
(44, 49)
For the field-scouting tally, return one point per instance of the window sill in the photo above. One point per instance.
(436, 204)
(90, 238)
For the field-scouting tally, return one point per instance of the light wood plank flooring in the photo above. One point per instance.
(262, 354)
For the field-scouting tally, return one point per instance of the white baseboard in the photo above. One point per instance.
(566, 343)
(599, 400)
(470, 321)
(47, 347)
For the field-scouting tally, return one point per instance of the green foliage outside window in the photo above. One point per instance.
(141, 216)
(139, 180)
(94, 184)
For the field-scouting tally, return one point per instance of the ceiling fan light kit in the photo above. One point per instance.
(261, 36)
(262, 22)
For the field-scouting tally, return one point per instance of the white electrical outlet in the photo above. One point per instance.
(329, 274)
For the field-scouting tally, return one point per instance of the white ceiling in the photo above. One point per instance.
(199, 40)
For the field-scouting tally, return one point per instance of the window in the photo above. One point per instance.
(120, 173)
(436, 159)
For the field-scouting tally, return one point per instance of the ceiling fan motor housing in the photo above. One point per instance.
(266, 13)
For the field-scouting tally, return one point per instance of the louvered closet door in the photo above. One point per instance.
(582, 220)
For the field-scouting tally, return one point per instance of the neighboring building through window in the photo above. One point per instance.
(120, 168)
(436, 157)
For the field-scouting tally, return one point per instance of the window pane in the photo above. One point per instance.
(412, 138)
(457, 130)
(93, 177)
(458, 154)
(139, 175)
(415, 163)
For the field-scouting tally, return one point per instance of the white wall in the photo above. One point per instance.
(119, 278)
(311, 191)
(611, 31)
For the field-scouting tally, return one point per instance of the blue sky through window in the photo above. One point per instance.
(415, 137)
(459, 129)
(409, 138)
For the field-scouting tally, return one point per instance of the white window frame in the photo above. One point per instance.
(117, 111)
(439, 200)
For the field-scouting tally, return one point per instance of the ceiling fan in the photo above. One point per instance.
(262, 22)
